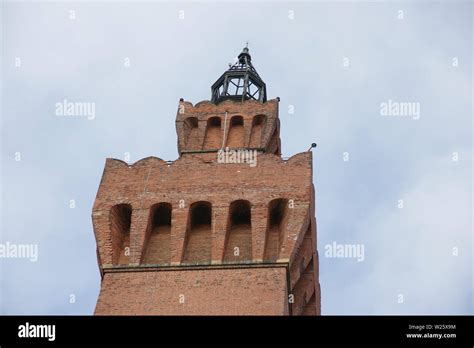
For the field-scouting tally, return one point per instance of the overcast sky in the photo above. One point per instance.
(400, 193)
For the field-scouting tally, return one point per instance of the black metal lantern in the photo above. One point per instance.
(240, 82)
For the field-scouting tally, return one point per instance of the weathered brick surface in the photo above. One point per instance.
(239, 244)
(120, 217)
(198, 245)
(260, 129)
(237, 207)
(189, 180)
(158, 250)
(202, 292)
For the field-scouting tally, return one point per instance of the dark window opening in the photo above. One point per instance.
(277, 209)
(214, 122)
(201, 214)
(237, 121)
(240, 213)
(162, 215)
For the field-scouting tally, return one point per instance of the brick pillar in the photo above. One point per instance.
(220, 216)
(137, 235)
(259, 228)
(202, 126)
(179, 227)
(247, 131)
(100, 221)
(295, 227)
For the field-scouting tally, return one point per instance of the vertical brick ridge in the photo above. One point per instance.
(259, 229)
(220, 218)
(178, 233)
(139, 224)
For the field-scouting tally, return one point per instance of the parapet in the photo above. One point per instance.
(208, 127)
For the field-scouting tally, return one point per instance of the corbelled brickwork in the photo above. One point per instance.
(243, 125)
(210, 233)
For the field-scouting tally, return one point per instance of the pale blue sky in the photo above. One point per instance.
(408, 251)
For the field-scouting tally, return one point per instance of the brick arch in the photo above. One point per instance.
(277, 213)
(238, 245)
(236, 137)
(198, 239)
(258, 126)
(213, 137)
(158, 234)
(120, 218)
(190, 131)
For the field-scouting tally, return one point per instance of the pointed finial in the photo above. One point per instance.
(246, 48)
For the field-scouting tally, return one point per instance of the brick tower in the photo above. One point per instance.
(228, 228)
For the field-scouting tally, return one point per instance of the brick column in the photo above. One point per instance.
(202, 128)
(295, 225)
(100, 221)
(259, 228)
(137, 234)
(247, 131)
(219, 230)
(179, 224)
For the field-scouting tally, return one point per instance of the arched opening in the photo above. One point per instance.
(199, 234)
(258, 125)
(239, 232)
(191, 122)
(236, 135)
(213, 138)
(158, 249)
(120, 221)
(190, 131)
(275, 226)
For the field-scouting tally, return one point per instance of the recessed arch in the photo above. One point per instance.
(236, 135)
(239, 232)
(258, 125)
(158, 234)
(191, 122)
(277, 211)
(120, 218)
(213, 138)
(190, 131)
(198, 240)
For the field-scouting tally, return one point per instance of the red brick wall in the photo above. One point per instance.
(239, 244)
(204, 292)
(158, 249)
(260, 123)
(190, 179)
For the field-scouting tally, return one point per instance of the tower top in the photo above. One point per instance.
(240, 82)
